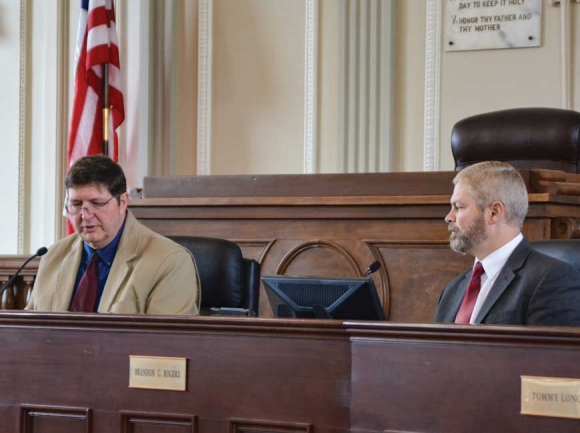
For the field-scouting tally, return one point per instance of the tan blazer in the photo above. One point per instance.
(150, 274)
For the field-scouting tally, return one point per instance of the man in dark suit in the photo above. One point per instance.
(510, 283)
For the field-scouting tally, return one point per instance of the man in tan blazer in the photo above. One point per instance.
(138, 270)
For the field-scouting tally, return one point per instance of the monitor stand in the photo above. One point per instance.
(320, 312)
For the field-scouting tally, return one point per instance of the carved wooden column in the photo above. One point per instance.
(27, 291)
(8, 300)
(17, 295)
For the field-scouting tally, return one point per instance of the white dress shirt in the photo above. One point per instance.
(492, 264)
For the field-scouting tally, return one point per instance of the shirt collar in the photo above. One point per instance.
(107, 253)
(493, 263)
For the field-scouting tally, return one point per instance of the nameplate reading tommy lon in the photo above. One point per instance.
(154, 372)
(551, 396)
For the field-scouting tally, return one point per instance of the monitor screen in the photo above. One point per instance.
(331, 298)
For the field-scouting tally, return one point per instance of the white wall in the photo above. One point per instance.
(475, 82)
(410, 84)
(9, 122)
(257, 58)
(257, 86)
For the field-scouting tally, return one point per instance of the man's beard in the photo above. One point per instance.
(463, 241)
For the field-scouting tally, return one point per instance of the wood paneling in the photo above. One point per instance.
(141, 422)
(336, 225)
(50, 419)
(257, 426)
(269, 375)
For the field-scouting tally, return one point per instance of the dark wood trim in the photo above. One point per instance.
(269, 375)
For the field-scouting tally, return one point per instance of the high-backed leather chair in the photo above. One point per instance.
(227, 279)
(567, 250)
(546, 138)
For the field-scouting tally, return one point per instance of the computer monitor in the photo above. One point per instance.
(331, 298)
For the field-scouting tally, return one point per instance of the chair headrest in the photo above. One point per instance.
(545, 138)
(567, 250)
(220, 267)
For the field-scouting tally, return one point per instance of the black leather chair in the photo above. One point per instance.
(567, 250)
(546, 138)
(227, 279)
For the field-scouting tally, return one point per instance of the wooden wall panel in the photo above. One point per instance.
(48, 419)
(248, 375)
(335, 226)
(257, 426)
(229, 376)
(442, 388)
(142, 422)
(416, 274)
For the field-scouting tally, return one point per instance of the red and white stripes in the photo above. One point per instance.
(97, 45)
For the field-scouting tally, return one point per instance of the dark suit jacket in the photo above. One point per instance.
(531, 289)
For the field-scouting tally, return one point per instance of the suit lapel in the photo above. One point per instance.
(66, 278)
(506, 275)
(120, 270)
(458, 298)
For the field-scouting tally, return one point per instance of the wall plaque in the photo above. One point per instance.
(154, 372)
(492, 24)
(550, 396)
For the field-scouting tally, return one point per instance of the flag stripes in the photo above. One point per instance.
(97, 45)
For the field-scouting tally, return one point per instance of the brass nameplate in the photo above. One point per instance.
(155, 372)
(550, 396)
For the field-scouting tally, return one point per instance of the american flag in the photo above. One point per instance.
(97, 44)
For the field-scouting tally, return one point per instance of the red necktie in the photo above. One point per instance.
(86, 294)
(466, 309)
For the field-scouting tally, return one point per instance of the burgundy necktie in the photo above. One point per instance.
(466, 309)
(86, 294)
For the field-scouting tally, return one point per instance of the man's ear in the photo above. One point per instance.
(123, 201)
(496, 212)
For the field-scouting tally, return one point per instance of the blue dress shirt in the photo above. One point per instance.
(106, 257)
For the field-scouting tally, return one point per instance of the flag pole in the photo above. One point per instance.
(105, 93)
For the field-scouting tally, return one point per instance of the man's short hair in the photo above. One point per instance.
(98, 170)
(491, 181)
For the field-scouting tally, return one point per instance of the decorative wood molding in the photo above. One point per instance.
(265, 245)
(54, 416)
(261, 426)
(432, 86)
(132, 420)
(295, 252)
(555, 182)
(544, 337)
(204, 94)
(565, 228)
(311, 89)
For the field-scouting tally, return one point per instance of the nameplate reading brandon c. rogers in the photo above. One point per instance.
(154, 372)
